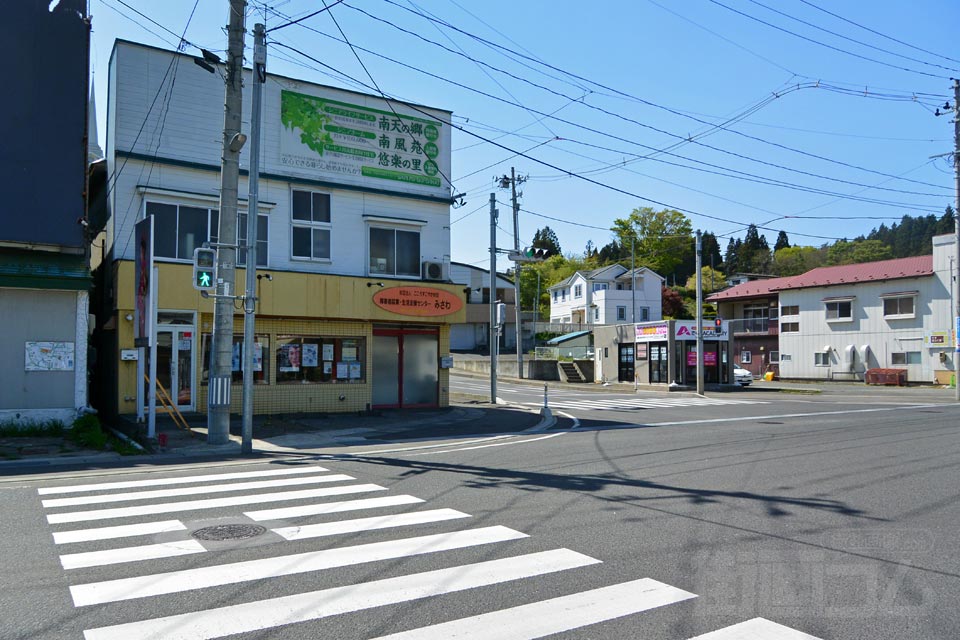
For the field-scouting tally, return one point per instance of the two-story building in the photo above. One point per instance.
(474, 333)
(44, 263)
(608, 295)
(354, 300)
(835, 323)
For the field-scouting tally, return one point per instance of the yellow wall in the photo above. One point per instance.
(290, 304)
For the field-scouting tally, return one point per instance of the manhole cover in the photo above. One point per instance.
(229, 532)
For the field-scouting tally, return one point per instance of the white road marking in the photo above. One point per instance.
(791, 415)
(212, 503)
(254, 616)
(495, 444)
(190, 579)
(642, 403)
(368, 524)
(192, 491)
(131, 554)
(425, 446)
(330, 507)
(121, 531)
(756, 629)
(556, 615)
(158, 482)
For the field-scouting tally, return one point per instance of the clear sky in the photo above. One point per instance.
(771, 112)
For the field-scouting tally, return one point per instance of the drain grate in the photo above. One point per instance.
(229, 532)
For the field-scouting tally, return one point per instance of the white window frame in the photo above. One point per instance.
(312, 225)
(836, 303)
(746, 357)
(644, 314)
(413, 228)
(600, 286)
(906, 358)
(774, 356)
(211, 232)
(621, 313)
(261, 242)
(899, 316)
(821, 358)
(578, 291)
(596, 313)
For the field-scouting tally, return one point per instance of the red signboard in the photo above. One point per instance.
(418, 301)
(709, 358)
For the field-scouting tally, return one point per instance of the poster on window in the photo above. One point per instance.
(328, 352)
(235, 357)
(343, 370)
(348, 352)
(327, 368)
(354, 370)
(257, 356)
(310, 355)
(289, 359)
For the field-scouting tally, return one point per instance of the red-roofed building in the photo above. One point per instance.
(837, 322)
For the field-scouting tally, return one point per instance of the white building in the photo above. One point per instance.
(605, 296)
(474, 334)
(837, 322)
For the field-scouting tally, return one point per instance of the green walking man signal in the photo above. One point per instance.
(205, 269)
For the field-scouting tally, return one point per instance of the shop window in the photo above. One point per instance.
(905, 357)
(621, 313)
(315, 360)
(263, 229)
(821, 359)
(790, 310)
(178, 230)
(261, 359)
(746, 357)
(578, 291)
(789, 327)
(394, 252)
(839, 310)
(899, 307)
(310, 215)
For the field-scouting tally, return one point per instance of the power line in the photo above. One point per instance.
(299, 20)
(824, 44)
(873, 31)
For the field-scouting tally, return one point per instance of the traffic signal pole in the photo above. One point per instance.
(699, 316)
(516, 272)
(493, 298)
(253, 204)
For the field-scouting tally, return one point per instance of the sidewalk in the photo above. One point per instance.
(287, 434)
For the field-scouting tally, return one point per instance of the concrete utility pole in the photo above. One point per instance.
(493, 298)
(699, 315)
(956, 233)
(253, 205)
(516, 270)
(218, 401)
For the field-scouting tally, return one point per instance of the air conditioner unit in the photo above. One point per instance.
(432, 270)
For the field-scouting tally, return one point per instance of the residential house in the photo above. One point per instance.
(354, 302)
(606, 296)
(44, 263)
(835, 323)
(474, 333)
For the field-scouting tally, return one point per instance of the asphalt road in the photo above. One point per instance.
(831, 515)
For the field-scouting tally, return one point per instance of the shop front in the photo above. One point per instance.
(663, 353)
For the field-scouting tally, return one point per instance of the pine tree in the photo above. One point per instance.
(782, 242)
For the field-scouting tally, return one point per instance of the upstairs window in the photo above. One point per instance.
(899, 307)
(839, 310)
(394, 252)
(621, 313)
(578, 291)
(311, 225)
(178, 229)
(790, 310)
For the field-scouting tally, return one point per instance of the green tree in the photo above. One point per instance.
(546, 239)
(731, 259)
(857, 251)
(710, 280)
(662, 238)
(782, 242)
(792, 261)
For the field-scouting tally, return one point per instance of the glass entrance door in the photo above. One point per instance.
(175, 373)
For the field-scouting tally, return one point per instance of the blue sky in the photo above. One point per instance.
(707, 106)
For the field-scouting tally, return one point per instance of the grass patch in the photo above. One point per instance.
(87, 433)
(32, 429)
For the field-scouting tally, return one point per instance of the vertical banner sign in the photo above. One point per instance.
(143, 283)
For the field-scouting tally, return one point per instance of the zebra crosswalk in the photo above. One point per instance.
(309, 520)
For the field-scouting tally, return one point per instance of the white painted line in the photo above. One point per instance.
(330, 507)
(190, 579)
(556, 615)
(132, 484)
(368, 524)
(756, 629)
(131, 554)
(426, 446)
(496, 444)
(314, 605)
(192, 491)
(815, 414)
(122, 531)
(212, 503)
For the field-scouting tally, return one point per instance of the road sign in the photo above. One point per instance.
(204, 269)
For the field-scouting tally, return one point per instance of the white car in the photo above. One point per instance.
(742, 376)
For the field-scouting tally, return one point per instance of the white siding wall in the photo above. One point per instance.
(191, 131)
(648, 295)
(868, 327)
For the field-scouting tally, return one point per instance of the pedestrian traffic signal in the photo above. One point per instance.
(204, 269)
(718, 323)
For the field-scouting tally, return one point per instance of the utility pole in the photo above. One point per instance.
(253, 204)
(699, 316)
(633, 302)
(221, 374)
(956, 233)
(516, 270)
(493, 298)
